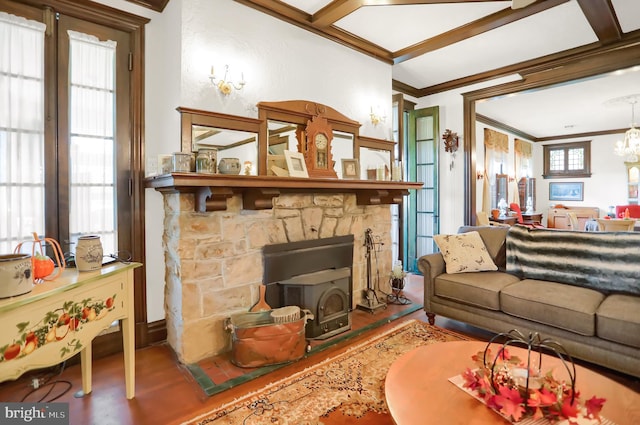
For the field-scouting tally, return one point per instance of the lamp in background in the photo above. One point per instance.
(226, 86)
(630, 146)
(377, 116)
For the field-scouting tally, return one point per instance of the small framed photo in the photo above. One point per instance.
(350, 169)
(296, 165)
(566, 191)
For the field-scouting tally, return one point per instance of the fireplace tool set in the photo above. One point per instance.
(371, 301)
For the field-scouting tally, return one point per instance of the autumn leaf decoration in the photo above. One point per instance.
(550, 398)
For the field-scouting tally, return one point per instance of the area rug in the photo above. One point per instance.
(344, 389)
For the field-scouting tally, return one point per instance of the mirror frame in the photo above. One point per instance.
(376, 144)
(299, 112)
(582, 65)
(190, 117)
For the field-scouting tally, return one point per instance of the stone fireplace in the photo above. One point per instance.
(214, 260)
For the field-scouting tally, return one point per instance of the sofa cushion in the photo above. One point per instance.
(464, 253)
(494, 238)
(618, 319)
(563, 306)
(478, 289)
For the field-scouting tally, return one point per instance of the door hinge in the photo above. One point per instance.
(130, 61)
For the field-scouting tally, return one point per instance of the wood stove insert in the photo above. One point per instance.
(314, 275)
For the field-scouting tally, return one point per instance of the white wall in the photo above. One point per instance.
(279, 61)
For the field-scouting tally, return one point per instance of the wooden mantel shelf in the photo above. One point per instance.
(212, 191)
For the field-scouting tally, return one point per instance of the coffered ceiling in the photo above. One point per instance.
(439, 45)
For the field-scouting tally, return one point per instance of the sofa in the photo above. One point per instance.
(580, 289)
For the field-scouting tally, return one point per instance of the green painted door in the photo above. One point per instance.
(422, 215)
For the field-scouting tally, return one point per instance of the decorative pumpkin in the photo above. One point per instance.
(42, 265)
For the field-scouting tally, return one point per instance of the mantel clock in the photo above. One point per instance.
(317, 149)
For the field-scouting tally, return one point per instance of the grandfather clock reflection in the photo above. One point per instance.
(527, 191)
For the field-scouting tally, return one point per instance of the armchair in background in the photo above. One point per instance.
(616, 225)
(482, 219)
(573, 220)
(520, 220)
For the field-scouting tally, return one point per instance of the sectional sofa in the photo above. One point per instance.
(581, 289)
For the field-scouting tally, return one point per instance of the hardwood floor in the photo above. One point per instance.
(166, 392)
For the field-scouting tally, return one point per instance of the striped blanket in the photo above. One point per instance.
(605, 261)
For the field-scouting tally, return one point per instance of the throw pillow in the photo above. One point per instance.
(464, 253)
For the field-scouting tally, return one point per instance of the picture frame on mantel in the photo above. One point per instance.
(350, 169)
(566, 191)
(295, 164)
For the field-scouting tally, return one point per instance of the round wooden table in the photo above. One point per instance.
(418, 390)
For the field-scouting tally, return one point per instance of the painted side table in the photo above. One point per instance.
(60, 318)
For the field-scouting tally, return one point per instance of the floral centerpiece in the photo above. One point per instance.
(518, 389)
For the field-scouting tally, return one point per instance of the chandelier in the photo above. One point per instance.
(630, 146)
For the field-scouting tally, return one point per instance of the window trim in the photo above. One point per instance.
(566, 173)
(135, 26)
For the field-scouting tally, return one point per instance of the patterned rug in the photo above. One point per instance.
(345, 389)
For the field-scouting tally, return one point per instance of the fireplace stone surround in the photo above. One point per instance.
(213, 260)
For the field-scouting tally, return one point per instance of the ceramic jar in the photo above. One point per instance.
(15, 275)
(89, 253)
(229, 166)
(206, 161)
(181, 162)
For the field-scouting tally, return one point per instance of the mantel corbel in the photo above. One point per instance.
(209, 198)
(380, 196)
(259, 198)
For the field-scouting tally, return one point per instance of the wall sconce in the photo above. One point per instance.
(376, 116)
(479, 175)
(223, 84)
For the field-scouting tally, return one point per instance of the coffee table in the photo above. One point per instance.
(418, 390)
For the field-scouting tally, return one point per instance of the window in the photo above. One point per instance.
(70, 161)
(567, 160)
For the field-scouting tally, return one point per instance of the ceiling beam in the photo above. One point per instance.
(335, 11)
(338, 9)
(303, 20)
(602, 18)
(479, 26)
(543, 67)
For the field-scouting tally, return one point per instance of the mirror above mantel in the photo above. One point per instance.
(280, 126)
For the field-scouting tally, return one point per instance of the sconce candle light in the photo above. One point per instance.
(377, 116)
(225, 86)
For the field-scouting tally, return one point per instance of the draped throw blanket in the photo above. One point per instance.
(605, 261)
